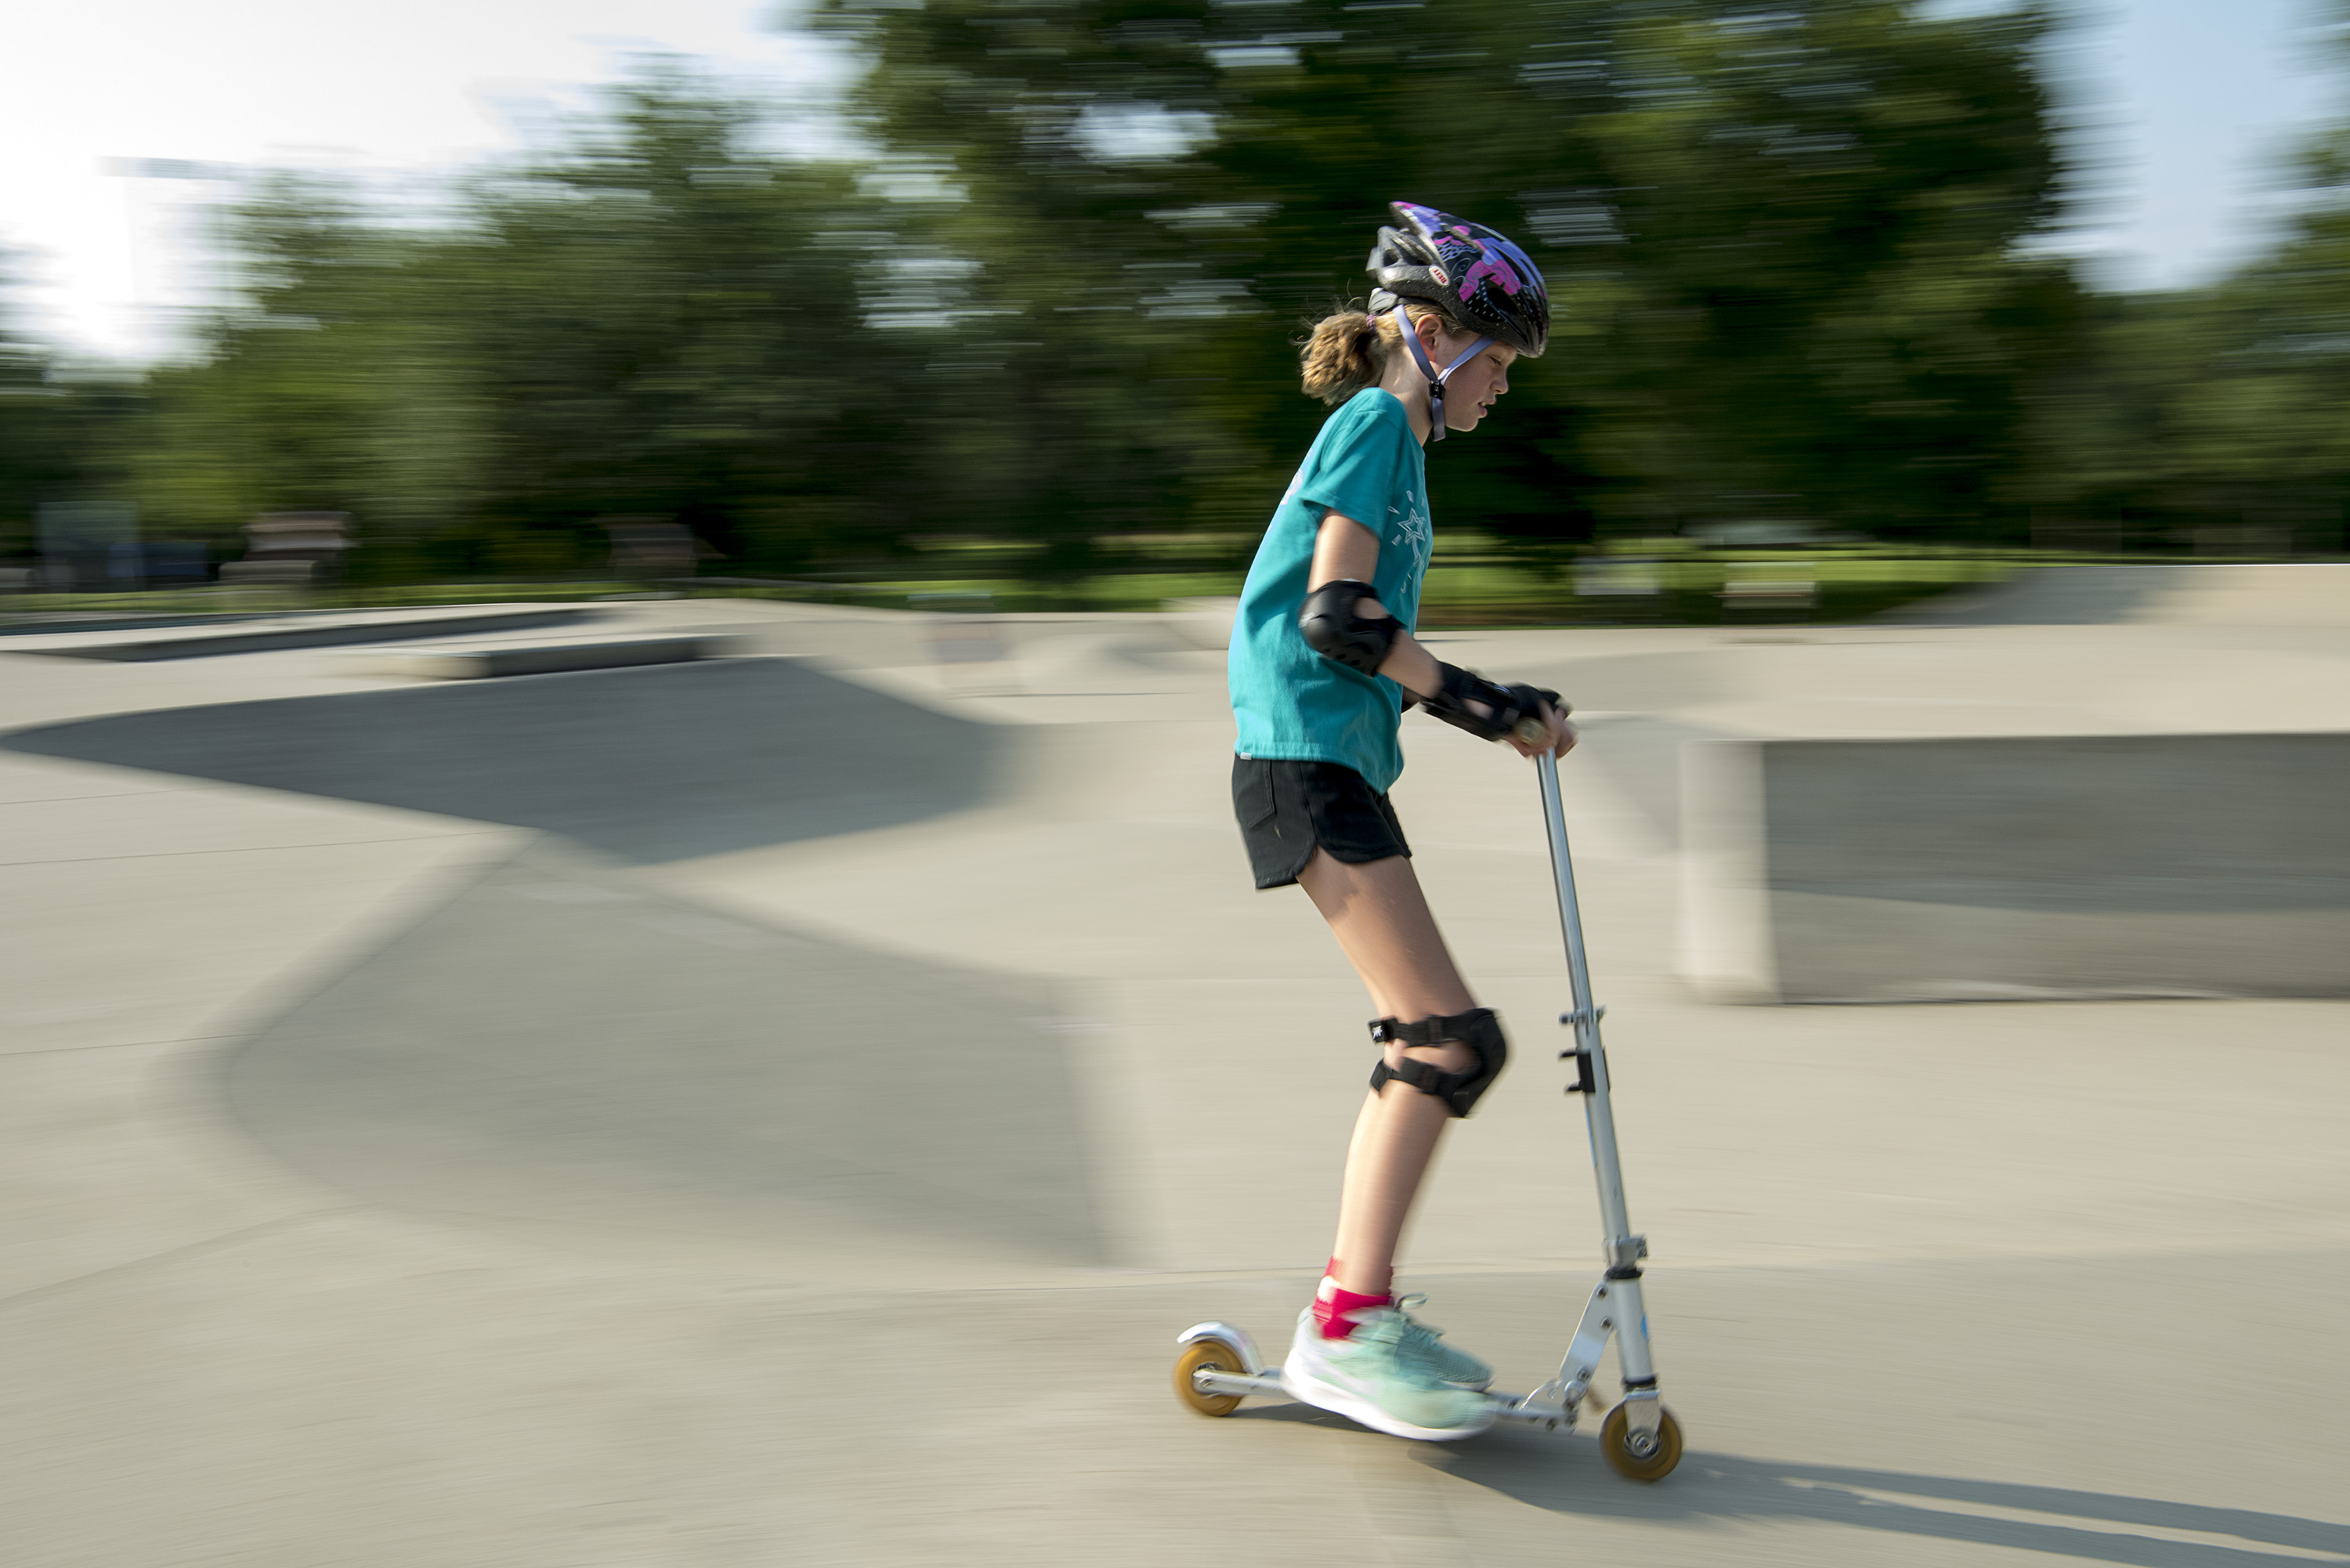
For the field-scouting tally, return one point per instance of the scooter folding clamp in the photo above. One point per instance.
(1584, 1083)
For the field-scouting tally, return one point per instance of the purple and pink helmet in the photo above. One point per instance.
(1477, 277)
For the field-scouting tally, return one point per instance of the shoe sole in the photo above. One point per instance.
(1308, 1389)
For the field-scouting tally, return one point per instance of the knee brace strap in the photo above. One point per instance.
(1478, 1029)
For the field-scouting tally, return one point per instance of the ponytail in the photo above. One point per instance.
(1349, 351)
(1343, 356)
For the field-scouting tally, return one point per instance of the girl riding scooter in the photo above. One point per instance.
(1323, 665)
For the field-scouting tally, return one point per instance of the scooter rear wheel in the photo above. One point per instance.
(1203, 1354)
(1616, 1442)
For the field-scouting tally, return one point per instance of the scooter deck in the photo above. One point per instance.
(1530, 1409)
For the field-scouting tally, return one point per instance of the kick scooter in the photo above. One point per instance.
(1217, 1366)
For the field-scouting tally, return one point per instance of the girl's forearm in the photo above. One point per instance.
(1411, 667)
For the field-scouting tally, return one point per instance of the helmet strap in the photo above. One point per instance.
(1436, 378)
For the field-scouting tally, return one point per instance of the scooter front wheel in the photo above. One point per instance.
(1204, 1356)
(1618, 1442)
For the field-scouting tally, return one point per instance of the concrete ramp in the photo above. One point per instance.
(2046, 596)
(2297, 592)
(565, 1049)
(2015, 867)
(2279, 593)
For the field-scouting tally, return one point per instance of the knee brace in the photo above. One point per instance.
(1478, 1029)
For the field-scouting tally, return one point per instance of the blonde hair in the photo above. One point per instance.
(1349, 351)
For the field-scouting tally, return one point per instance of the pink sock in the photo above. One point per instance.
(1335, 1306)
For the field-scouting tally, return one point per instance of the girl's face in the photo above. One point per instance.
(1470, 391)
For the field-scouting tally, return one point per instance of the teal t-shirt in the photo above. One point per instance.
(1290, 703)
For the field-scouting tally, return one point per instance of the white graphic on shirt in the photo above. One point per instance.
(1410, 528)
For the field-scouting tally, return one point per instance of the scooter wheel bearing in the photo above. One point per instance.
(1206, 1354)
(1618, 1442)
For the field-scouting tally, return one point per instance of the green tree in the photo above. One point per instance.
(2221, 415)
(660, 319)
(1784, 242)
(1059, 300)
(298, 394)
(61, 430)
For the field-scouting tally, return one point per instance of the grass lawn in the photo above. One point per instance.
(1473, 582)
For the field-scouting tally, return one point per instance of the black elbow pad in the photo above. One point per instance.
(1335, 631)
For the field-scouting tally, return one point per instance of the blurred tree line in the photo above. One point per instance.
(1797, 254)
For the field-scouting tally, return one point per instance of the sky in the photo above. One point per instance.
(2191, 105)
(2188, 104)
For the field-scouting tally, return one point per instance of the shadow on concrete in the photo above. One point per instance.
(558, 1046)
(1727, 1489)
(662, 763)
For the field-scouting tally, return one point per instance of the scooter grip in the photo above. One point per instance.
(1531, 729)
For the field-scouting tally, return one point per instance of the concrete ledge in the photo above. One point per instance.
(318, 632)
(52, 623)
(548, 658)
(2040, 866)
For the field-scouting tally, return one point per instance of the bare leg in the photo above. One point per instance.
(1382, 922)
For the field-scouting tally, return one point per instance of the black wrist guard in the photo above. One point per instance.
(1509, 705)
(1335, 631)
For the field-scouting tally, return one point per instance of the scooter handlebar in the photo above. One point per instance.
(1532, 730)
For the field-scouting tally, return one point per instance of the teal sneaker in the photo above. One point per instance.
(1371, 1377)
(1450, 1363)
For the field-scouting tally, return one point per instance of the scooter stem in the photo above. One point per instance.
(1625, 1248)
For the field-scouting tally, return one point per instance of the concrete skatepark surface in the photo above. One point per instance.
(782, 1109)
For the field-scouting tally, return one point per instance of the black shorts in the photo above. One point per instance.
(1288, 810)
